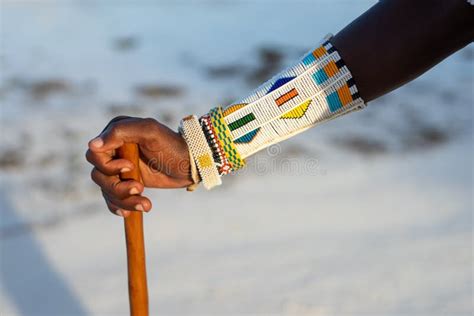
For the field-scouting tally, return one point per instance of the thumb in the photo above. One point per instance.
(117, 133)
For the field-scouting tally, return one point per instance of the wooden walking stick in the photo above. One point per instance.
(137, 285)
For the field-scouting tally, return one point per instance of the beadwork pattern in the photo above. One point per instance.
(220, 158)
(224, 136)
(318, 88)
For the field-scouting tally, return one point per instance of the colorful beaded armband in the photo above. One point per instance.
(318, 88)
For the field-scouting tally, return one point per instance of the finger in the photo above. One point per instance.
(114, 187)
(93, 142)
(132, 203)
(128, 130)
(114, 209)
(107, 165)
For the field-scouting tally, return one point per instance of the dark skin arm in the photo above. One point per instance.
(396, 41)
(392, 43)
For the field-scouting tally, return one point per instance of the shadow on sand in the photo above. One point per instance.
(28, 278)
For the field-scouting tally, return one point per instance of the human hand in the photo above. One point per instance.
(164, 162)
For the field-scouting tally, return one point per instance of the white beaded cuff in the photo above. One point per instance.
(200, 152)
(194, 174)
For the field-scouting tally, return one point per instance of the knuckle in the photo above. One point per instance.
(150, 123)
(114, 186)
(118, 118)
(150, 120)
(111, 208)
(116, 123)
(88, 156)
(94, 175)
(108, 170)
(114, 128)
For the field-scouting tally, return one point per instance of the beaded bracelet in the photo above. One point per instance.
(318, 88)
(200, 151)
(223, 164)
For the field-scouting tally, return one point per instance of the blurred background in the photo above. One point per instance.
(370, 214)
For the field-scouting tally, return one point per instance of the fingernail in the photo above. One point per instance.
(97, 142)
(119, 213)
(139, 207)
(125, 170)
(134, 191)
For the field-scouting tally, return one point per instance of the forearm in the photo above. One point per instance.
(395, 41)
